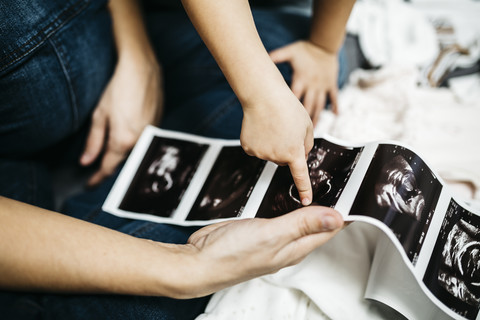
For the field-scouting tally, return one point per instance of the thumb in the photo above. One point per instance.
(310, 227)
(95, 139)
(314, 219)
(280, 55)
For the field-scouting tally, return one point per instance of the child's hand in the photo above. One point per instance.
(277, 128)
(132, 100)
(314, 77)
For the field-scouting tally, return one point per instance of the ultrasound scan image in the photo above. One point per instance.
(402, 192)
(163, 176)
(228, 186)
(330, 167)
(453, 273)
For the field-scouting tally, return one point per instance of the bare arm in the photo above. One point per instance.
(46, 251)
(275, 126)
(329, 22)
(132, 99)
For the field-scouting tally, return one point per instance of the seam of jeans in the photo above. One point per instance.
(41, 36)
(64, 65)
(143, 229)
(93, 214)
(29, 301)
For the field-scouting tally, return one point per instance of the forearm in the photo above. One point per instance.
(129, 30)
(329, 23)
(228, 30)
(132, 98)
(46, 251)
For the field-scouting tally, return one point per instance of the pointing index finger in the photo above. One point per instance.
(301, 178)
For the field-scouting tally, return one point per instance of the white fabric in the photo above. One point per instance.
(386, 104)
(462, 14)
(335, 275)
(391, 31)
(328, 284)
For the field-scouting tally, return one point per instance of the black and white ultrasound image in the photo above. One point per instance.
(228, 185)
(330, 166)
(163, 176)
(453, 272)
(401, 191)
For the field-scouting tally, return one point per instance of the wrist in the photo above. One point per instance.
(140, 55)
(325, 48)
(260, 86)
(195, 273)
(180, 273)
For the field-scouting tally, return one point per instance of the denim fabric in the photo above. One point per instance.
(198, 98)
(26, 180)
(56, 57)
(97, 307)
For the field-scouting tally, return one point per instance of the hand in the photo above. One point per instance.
(315, 73)
(280, 130)
(132, 99)
(235, 251)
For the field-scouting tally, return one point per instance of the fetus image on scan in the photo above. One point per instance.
(397, 189)
(163, 176)
(459, 273)
(329, 166)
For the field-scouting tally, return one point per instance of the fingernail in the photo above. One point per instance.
(330, 223)
(306, 201)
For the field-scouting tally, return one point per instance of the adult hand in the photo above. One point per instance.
(132, 99)
(278, 129)
(315, 73)
(241, 250)
(94, 259)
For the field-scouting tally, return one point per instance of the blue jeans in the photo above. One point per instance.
(49, 83)
(52, 72)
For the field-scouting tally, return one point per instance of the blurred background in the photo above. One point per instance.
(415, 78)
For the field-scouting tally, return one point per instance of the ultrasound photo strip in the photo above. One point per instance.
(183, 179)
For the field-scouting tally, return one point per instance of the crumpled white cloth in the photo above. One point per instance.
(393, 31)
(375, 105)
(461, 14)
(328, 284)
(440, 127)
